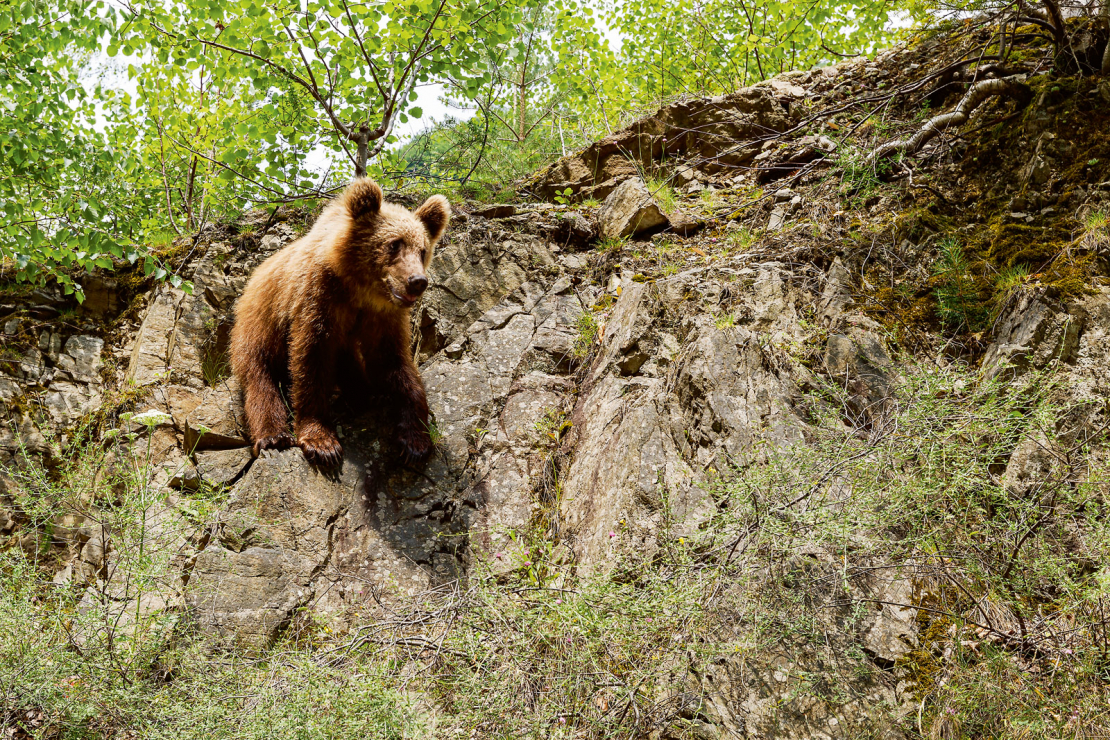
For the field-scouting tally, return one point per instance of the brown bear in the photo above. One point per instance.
(337, 299)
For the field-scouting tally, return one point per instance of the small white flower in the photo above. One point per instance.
(151, 418)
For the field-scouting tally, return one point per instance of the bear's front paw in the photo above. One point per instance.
(282, 441)
(416, 443)
(321, 448)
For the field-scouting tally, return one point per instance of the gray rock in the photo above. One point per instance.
(719, 123)
(222, 467)
(1033, 466)
(66, 402)
(469, 276)
(640, 440)
(628, 210)
(216, 422)
(1036, 172)
(50, 343)
(29, 366)
(177, 333)
(572, 230)
(9, 388)
(1032, 333)
(859, 363)
(836, 297)
(81, 358)
(893, 630)
(248, 597)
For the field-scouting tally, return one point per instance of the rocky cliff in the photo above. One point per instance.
(597, 370)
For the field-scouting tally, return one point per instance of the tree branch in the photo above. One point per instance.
(977, 94)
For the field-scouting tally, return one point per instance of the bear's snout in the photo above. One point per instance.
(417, 285)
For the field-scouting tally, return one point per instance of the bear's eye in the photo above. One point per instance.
(424, 255)
(395, 245)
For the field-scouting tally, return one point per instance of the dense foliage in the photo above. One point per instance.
(69, 195)
(127, 124)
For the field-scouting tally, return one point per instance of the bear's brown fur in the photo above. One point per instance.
(336, 298)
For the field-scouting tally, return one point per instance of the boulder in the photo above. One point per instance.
(66, 402)
(222, 467)
(858, 362)
(1033, 332)
(81, 358)
(496, 211)
(717, 132)
(572, 230)
(628, 210)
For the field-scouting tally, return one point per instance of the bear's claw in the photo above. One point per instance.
(416, 444)
(281, 441)
(321, 449)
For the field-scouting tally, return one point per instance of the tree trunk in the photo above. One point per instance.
(190, 180)
(1060, 33)
(362, 138)
(521, 107)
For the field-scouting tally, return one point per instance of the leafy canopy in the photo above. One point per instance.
(238, 103)
(67, 193)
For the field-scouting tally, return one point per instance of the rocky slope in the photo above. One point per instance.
(594, 393)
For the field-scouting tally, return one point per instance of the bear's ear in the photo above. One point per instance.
(434, 214)
(364, 198)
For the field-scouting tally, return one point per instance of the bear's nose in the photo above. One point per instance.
(417, 285)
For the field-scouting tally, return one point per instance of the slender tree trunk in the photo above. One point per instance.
(189, 182)
(362, 138)
(521, 107)
(1060, 30)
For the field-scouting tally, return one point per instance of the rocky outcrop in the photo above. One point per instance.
(670, 399)
(631, 426)
(293, 535)
(714, 133)
(1033, 333)
(68, 368)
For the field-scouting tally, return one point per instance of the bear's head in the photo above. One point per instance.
(394, 244)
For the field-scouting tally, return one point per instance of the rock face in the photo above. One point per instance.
(69, 371)
(633, 427)
(293, 536)
(657, 414)
(1033, 333)
(717, 132)
(628, 210)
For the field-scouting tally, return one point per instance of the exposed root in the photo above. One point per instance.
(1011, 87)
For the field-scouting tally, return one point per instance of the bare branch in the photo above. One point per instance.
(977, 94)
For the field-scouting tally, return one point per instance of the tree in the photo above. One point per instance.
(359, 62)
(713, 46)
(68, 201)
(213, 145)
